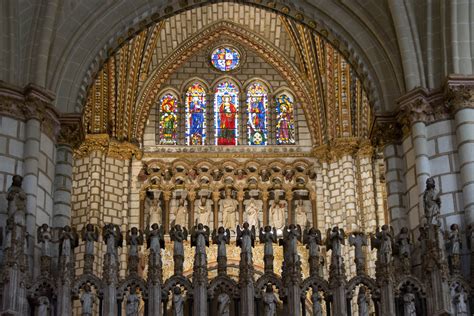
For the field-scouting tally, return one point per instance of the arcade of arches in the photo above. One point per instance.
(120, 115)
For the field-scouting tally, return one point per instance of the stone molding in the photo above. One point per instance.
(31, 102)
(340, 147)
(111, 147)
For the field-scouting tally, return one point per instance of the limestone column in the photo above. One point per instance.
(215, 199)
(265, 196)
(62, 186)
(461, 101)
(192, 200)
(166, 198)
(349, 180)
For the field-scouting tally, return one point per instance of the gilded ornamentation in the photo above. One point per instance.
(341, 147)
(111, 147)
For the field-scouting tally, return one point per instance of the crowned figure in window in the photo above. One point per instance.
(227, 115)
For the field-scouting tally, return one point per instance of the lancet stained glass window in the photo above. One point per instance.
(226, 108)
(257, 114)
(195, 115)
(168, 119)
(225, 58)
(285, 121)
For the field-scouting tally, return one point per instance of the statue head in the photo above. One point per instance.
(134, 230)
(177, 227)
(44, 226)
(181, 202)
(268, 229)
(221, 230)
(17, 180)
(335, 229)
(203, 200)
(86, 287)
(430, 183)
(154, 226)
(200, 226)
(245, 225)
(228, 192)
(385, 227)
(90, 227)
(269, 288)
(404, 230)
(133, 289)
(176, 290)
(292, 226)
(454, 227)
(67, 228)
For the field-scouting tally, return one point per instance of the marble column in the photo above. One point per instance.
(62, 186)
(314, 212)
(461, 101)
(240, 198)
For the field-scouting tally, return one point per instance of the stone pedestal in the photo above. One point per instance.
(247, 289)
(154, 285)
(110, 273)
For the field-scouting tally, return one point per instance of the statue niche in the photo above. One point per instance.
(153, 208)
(228, 209)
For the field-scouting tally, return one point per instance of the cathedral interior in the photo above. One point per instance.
(256, 158)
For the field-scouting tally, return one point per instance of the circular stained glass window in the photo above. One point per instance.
(225, 58)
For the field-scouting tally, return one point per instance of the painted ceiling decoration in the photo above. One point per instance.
(326, 86)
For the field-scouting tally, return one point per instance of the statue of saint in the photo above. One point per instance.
(45, 238)
(180, 212)
(221, 238)
(68, 239)
(90, 234)
(432, 203)
(383, 242)
(268, 237)
(334, 242)
(155, 213)
(87, 300)
(16, 198)
(404, 248)
(133, 302)
(200, 240)
(228, 208)
(203, 210)
(278, 211)
(358, 240)
(460, 302)
(155, 239)
(134, 239)
(454, 246)
(43, 306)
(409, 308)
(301, 213)
(269, 301)
(223, 304)
(252, 209)
(316, 299)
(362, 302)
(178, 302)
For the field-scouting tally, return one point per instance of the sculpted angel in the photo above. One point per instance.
(155, 239)
(221, 237)
(334, 241)
(113, 239)
(291, 236)
(178, 235)
(44, 237)
(268, 236)
(246, 240)
(134, 239)
(383, 241)
(69, 240)
(358, 240)
(200, 240)
(90, 234)
(16, 198)
(312, 239)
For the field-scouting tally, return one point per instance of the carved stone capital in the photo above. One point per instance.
(111, 147)
(386, 130)
(459, 93)
(123, 150)
(70, 132)
(340, 147)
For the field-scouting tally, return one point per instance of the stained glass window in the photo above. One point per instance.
(285, 121)
(225, 58)
(226, 108)
(257, 113)
(195, 115)
(168, 119)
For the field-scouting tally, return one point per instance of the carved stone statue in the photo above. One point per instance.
(155, 212)
(269, 301)
(16, 198)
(155, 239)
(383, 241)
(134, 239)
(278, 211)
(45, 238)
(178, 235)
(200, 240)
(113, 239)
(68, 239)
(203, 210)
(133, 302)
(268, 237)
(358, 240)
(221, 237)
(178, 302)
(87, 301)
(90, 234)
(228, 209)
(470, 237)
(409, 308)
(301, 213)
(460, 301)
(252, 209)
(316, 299)
(431, 202)
(223, 304)
(403, 243)
(454, 246)
(291, 236)
(334, 242)
(245, 240)
(312, 239)
(43, 306)
(362, 302)
(180, 212)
